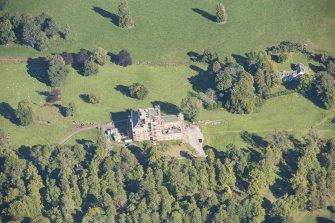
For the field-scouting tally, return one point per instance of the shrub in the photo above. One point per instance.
(94, 98)
(71, 110)
(124, 58)
(99, 55)
(138, 91)
(90, 68)
(66, 32)
(24, 113)
(57, 71)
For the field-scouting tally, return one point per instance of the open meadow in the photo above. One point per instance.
(165, 31)
(167, 85)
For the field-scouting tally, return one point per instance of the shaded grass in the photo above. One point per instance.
(176, 29)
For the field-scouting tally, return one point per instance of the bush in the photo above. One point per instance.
(57, 71)
(66, 32)
(124, 58)
(24, 113)
(94, 98)
(138, 91)
(99, 55)
(90, 68)
(71, 110)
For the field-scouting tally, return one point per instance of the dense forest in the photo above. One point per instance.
(90, 183)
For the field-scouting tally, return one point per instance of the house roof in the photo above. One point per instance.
(170, 118)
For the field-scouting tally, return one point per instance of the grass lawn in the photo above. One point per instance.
(167, 30)
(166, 84)
(291, 112)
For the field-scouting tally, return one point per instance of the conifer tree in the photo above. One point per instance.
(221, 15)
(125, 20)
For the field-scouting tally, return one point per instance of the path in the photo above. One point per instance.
(82, 129)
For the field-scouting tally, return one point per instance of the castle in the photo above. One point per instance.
(148, 124)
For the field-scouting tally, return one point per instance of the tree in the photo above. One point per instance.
(41, 42)
(282, 57)
(82, 56)
(99, 55)
(125, 20)
(50, 27)
(71, 110)
(30, 32)
(24, 113)
(221, 15)
(138, 91)
(325, 89)
(242, 97)
(191, 106)
(331, 68)
(124, 58)
(57, 70)
(90, 68)
(67, 57)
(7, 34)
(54, 95)
(94, 98)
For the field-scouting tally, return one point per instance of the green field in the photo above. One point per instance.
(167, 30)
(166, 84)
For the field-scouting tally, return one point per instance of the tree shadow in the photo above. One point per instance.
(316, 68)
(8, 112)
(167, 107)
(37, 68)
(43, 93)
(194, 56)
(85, 98)
(241, 60)
(202, 81)
(113, 57)
(109, 15)
(24, 152)
(253, 140)
(121, 121)
(281, 187)
(61, 109)
(123, 89)
(324, 220)
(205, 14)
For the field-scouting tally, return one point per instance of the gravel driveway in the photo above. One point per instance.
(195, 138)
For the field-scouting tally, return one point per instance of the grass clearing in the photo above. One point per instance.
(167, 30)
(166, 84)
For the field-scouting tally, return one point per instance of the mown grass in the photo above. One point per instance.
(167, 30)
(165, 84)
